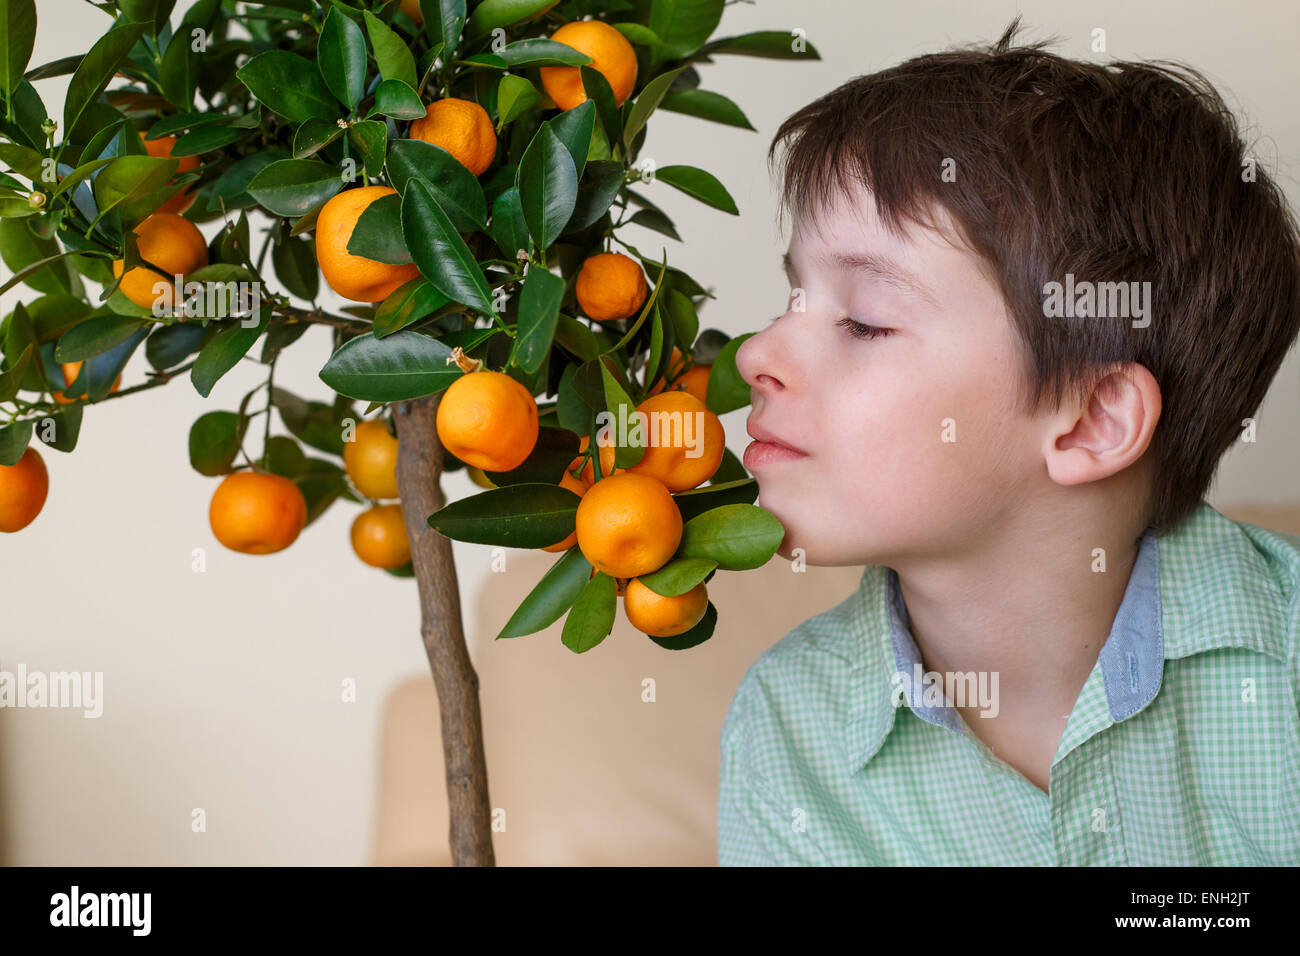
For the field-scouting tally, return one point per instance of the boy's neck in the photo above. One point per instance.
(1026, 605)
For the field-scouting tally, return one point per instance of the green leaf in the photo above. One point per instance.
(490, 14)
(647, 102)
(553, 595)
(739, 537)
(18, 30)
(656, 220)
(284, 456)
(620, 404)
(295, 266)
(684, 25)
(95, 70)
(11, 379)
(706, 105)
(508, 228)
(699, 184)
(130, 177)
(67, 427)
(541, 52)
(341, 58)
(391, 53)
(14, 440)
(455, 188)
(394, 368)
(408, 303)
(221, 354)
(370, 139)
(700, 633)
(548, 186)
(678, 576)
(214, 442)
(727, 390)
(531, 515)
(77, 175)
(774, 44)
(288, 84)
(294, 187)
(597, 194)
(574, 129)
(440, 253)
(598, 91)
(178, 74)
(36, 261)
(154, 13)
(314, 135)
(444, 21)
(397, 99)
(539, 306)
(95, 335)
(378, 232)
(206, 139)
(592, 616)
(169, 345)
(515, 96)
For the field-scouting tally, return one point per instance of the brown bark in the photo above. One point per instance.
(419, 472)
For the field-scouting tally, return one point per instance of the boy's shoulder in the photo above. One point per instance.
(1225, 582)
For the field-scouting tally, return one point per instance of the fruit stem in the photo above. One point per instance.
(465, 363)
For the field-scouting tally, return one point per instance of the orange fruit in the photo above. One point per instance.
(412, 9)
(488, 420)
(462, 128)
(579, 488)
(170, 242)
(652, 613)
(355, 277)
(370, 460)
(628, 524)
(606, 462)
(696, 381)
(23, 487)
(611, 55)
(667, 455)
(255, 512)
(379, 537)
(162, 147)
(70, 372)
(611, 286)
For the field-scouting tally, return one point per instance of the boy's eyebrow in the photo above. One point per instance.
(875, 266)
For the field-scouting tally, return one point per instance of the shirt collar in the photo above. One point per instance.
(1172, 607)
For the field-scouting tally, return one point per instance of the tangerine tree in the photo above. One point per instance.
(459, 172)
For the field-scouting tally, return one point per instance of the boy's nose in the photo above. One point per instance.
(755, 361)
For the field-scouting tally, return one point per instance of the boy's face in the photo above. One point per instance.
(878, 482)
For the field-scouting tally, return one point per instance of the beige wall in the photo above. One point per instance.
(223, 688)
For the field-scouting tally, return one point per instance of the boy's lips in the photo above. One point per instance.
(767, 448)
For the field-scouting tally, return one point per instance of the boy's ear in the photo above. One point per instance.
(1108, 432)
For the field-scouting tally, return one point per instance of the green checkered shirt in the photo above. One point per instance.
(1183, 747)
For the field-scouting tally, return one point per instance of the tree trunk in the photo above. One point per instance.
(419, 473)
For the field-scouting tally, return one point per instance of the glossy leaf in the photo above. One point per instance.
(699, 184)
(95, 70)
(408, 303)
(378, 232)
(706, 105)
(391, 52)
(592, 616)
(455, 188)
(440, 253)
(397, 99)
(17, 37)
(516, 516)
(508, 228)
(294, 187)
(288, 84)
(341, 58)
(739, 537)
(548, 186)
(539, 306)
(553, 595)
(214, 442)
(221, 354)
(394, 368)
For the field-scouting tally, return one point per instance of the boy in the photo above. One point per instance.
(1033, 303)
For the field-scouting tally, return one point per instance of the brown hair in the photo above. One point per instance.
(1115, 172)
